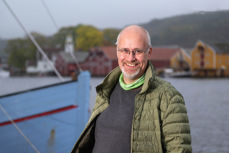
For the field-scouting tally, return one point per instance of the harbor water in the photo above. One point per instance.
(207, 102)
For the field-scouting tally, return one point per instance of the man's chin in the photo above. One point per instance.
(132, 75)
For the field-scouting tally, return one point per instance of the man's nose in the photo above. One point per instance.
(131, 56)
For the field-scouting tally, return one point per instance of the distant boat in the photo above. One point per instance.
(4, 73)
(51, 117)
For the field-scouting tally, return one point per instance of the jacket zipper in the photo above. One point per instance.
(132, 128)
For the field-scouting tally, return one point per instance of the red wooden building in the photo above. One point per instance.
(161, 56)
(67, 64)
(101, 60)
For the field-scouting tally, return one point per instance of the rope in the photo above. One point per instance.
(19, 130)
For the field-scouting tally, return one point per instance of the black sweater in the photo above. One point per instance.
(113, 126)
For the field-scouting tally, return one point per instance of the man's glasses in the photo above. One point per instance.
(137, 52)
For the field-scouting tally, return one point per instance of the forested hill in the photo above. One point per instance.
(185, 30)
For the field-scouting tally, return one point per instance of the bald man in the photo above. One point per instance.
(135, 111)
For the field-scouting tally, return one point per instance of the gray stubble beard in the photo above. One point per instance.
(130, 76)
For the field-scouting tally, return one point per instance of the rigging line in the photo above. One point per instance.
(49, 13)
(55, 24)
(33, 40)
(19, 130)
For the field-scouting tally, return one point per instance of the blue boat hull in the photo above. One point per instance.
(52, 117)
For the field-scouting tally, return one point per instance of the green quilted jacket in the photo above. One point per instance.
(160, 122)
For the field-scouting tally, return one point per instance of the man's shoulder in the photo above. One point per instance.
(161, 84)
(164, 87)
(163, 94)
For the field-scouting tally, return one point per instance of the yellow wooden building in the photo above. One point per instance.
(208, 62)
(180, 61)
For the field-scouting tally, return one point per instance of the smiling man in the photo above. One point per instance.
(135, 111)
(133, 51)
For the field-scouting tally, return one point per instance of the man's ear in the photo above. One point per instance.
(150, 52)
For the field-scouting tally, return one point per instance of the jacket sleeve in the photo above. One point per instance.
(176, 137)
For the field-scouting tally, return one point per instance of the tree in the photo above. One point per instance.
(110, 36)
(20, 50)
(87, 37)
(41, 39)
(58, 40)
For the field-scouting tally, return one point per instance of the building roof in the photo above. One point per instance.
(49, 52)
(218, 48)
(52, 50)
(110, 51)
(163, 53)
(79, 55)
(188, 51)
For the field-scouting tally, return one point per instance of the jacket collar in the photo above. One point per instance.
(106, 87)
(149, 78)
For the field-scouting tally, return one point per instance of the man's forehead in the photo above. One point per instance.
(133, 30)
(131, 38)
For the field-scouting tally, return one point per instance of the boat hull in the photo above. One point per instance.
(52, 117)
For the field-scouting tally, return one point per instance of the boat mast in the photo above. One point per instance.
(34, 41)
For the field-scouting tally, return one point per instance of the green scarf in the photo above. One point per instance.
(136, 84)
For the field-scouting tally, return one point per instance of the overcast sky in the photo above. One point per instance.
(100, 13)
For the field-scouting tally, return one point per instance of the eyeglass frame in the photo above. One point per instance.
(126, 51)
